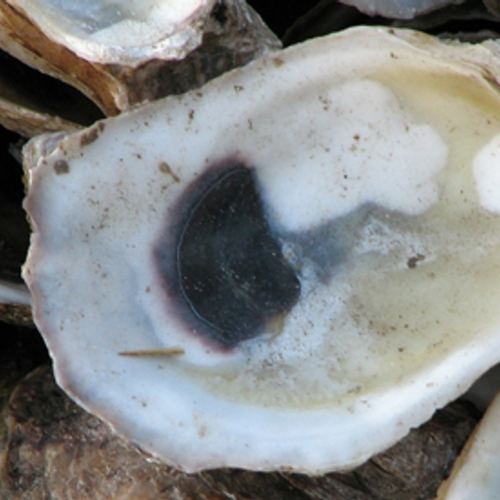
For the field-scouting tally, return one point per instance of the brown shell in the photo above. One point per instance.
(60, 452)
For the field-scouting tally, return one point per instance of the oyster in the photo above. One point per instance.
(317, 233)
(400, 9)
(475, 473)
(130, 32)
(121, 54)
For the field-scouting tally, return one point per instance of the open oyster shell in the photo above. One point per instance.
(129, 32)
(123, 54)
(364, 165)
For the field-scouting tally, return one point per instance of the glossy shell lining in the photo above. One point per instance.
(346, 138)
(128, 32)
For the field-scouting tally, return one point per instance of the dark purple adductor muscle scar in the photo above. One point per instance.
(228, 274)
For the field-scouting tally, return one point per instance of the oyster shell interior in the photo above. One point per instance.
(318, 232)
(126, 32)
(399, 9)
(123, 54)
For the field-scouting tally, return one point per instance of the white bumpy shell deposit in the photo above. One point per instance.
(374, 156)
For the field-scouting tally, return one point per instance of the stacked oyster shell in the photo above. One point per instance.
(364, 166)
(321, 248)
(123, 54)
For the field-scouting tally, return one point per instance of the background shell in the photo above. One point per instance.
(411, 480)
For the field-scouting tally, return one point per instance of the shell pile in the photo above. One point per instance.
(286, 263)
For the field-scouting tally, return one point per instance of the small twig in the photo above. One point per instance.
(167, 351)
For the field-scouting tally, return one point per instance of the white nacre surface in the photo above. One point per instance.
(385, 155)
(126, 32)
(372, 134)
(400, 9)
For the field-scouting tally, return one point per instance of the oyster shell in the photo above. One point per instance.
(123, 54)
(32, 103)
(475, 473)
(130, 32)
(350, 160)
(400, 9)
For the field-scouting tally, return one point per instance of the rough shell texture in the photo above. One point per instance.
(32, 103)
(361, 156)
(62, 452)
